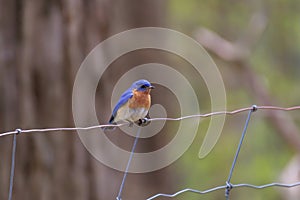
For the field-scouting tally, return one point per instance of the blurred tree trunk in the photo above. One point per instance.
(42, 44)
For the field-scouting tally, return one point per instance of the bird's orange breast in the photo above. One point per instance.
(140, 100)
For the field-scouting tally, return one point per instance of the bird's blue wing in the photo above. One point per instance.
(123, 99)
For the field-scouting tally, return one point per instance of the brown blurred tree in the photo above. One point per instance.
(42, 44)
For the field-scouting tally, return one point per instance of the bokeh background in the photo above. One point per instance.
(256, 45)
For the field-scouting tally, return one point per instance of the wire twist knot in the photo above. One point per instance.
(18, 131)
(229, 186)
(254, 108)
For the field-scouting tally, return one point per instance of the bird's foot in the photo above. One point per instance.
(130, 124)
(143, 122)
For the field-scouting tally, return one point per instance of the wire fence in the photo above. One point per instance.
(228, 186)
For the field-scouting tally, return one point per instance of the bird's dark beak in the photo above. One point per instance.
(151, 87)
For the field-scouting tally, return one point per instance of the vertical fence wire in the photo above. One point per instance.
(128, 163)
(12, 169)
(228, 184)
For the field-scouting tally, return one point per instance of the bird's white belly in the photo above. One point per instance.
(131, 114)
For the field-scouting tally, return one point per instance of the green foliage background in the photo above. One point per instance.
(276, 59)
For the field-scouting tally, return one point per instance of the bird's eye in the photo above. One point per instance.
(143, 86)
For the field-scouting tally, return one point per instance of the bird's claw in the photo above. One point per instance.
(130, 124)
(143, 122)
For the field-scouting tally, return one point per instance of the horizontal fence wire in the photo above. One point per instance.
(153, 119)
(223, 187)
(227, 187)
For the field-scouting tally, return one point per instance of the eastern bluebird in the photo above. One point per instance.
(133, 105)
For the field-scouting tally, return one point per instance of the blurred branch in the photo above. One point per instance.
(234, 51)
(238, 54)
(218, 45)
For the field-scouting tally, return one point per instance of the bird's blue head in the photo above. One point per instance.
(142, 85)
